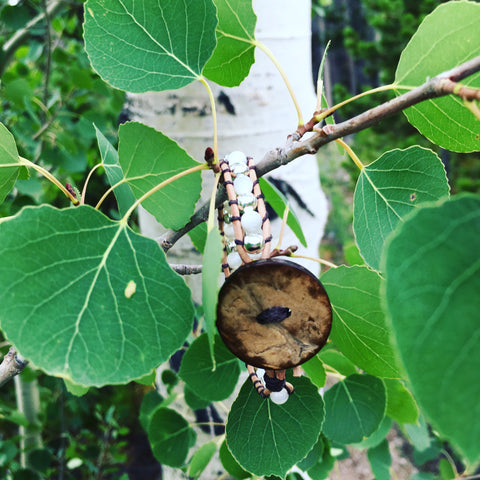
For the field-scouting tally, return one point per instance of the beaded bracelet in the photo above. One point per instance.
(245, 227)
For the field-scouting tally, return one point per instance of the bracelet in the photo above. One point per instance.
(243, 220)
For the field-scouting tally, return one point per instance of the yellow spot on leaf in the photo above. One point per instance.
(130, 289)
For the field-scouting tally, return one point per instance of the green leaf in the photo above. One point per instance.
(447, 471)
(446, 38)
(336, 360)
(325, 464)
(123, 193)
(211, 271)
(193, 400)
(63, 289)
(377, 436)
(359, 327)
(170, 437)
(198, 236)
(315, 371)
(279, 202)
(201, 458)
(74, 389)
(147, 158)
(198, 372)
(380, 461)
(8, 156)
(355, 408)
(388, 189)
(150, 402)
(234, 54)
(433, 279)
(268, 439)
(230, 464)
(401, 406)
(140, 46)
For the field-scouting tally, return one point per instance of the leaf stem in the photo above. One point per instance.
(156, 188)
(351, 153)
(271, 56)
(203, 80)
(329, 111)
(50, 177)
(318, 260)
(84, 189)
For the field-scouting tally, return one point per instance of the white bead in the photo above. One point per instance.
(253, 243)
(279, 397)
(260, 373)
(239, 169)
(234, 260)
(227, 217)
(235, 158)
(255, 256)
(229, 231)
(252, 222)
(242, 185)
(247, 201)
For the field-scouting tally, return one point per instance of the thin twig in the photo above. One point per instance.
(182, 269)
(11, 365)
(438, 86)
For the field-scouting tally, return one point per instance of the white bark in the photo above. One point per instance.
(264, 116)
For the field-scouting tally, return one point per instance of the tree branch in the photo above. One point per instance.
(445, 83)
(11, 365)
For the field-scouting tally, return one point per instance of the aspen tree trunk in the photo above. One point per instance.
(254, 118)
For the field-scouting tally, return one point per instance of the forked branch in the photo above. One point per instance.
(11, 365)
(446, 83)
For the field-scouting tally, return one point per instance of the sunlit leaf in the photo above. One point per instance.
(140, 46)
(388, 189)
(359, 328)
(433, 279)
(446, 38)
(147, 158)
(234, 54)
(63, 275)
(201, 458)
(401, 406)
(380, 460)
(8, 162)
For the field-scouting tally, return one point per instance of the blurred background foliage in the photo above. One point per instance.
(49, 100)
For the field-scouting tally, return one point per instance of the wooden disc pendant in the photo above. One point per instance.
(273, 314)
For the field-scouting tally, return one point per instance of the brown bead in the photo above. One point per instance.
(264, 288)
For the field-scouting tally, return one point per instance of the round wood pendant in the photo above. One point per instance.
(273, 314)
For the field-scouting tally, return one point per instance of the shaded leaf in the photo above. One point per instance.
(193, 400)
(279, 202)
(123, 193)
(198, 373)
(401, 406)
(377, 436)
(280, 435)
(336, 360)
(211, 272)
(170, 437)
(355, 408)
(446, 38)
(150, 402)
(140, 46)
(63, 275)
(433, 279)
(380, 460)
(359, 327)
(147, 158)
(230, 464)
(388, 189)
(201, 458)
(8, 156)
(234, 54)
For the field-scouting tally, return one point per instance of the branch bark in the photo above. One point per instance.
(11, 365)
(445, 83)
